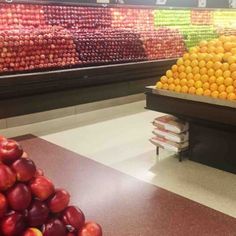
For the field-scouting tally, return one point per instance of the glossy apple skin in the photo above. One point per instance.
(91, 229)
(54, 227)
(10, 151)
(37, 213)
(42, 188)
(3, 205)
(25, 169)
(13, 224)
(19, 197)
(7, 177)
(32, 232)
(59, 201)
(74, 217)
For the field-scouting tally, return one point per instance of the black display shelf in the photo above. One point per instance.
(212, 126)
(35, 92)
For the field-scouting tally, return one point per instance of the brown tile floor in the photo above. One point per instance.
(123, 205)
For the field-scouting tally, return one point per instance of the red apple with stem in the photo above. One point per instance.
(7, 177)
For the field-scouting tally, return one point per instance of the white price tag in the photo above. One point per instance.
(202, 3)
(161, 2)
(232, 3)
(103, 1)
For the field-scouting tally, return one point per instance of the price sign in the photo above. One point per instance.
(232, 3)
(103, 1)
(202, 3)
(161, 2)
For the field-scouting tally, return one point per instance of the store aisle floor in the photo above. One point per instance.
(118, 137)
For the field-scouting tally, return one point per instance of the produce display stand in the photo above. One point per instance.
(115, 201)
(212, 125)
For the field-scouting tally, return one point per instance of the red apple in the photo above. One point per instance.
(25, 169)
(70, 234)
(32, 232)
(19, 197)
(3, 205)
(2, 138)
(42, 187)
(91, 229)
(7, 177)
(13, 224)
(59, 201)
(74, 217)
(37, 213)
(10, 151)
(54, 227)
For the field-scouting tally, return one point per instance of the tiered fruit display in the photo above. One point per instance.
(12, 15)
(109, 46)
(34, 48)
(163, 43)
(208, 69)
(78, 17)
(30, 205)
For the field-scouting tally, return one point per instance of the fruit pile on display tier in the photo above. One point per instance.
(163, 43)
(12, 15)
(224, 18)
(201, 17)
(34, 48)
(207, 70)
(78, 17)
(142, 19)
(29, 203)
(108, 46)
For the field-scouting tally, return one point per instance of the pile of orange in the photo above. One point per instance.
(208, 69)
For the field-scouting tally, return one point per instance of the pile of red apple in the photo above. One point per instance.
(163, 43)
(12, 15)
(34, 48)
(108, 46)
(78, 17)
(30, 205)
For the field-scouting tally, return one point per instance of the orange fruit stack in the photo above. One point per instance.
(208, 69)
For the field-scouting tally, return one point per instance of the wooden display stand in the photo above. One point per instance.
(212, 125)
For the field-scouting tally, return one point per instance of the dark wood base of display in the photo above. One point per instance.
(212, 129)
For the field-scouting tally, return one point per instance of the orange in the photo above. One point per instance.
(211, 49)
(194, 63)
(182, 75)
(194, 49)
(217, 65)
(192, 90)
(213, 87)
(233, 75)
(220, 80)
(207, 92)
(223, 95)
(198, 84)
(227, 74)
(203, 49)
(187, 62)
(203, 71)
(230, 89)
(164, 79)
(219, 50)
(180, 62)
(199, 91)
(159, 85)
(181, 68)
(176, 75)
(226, 56)
(190, 83)
(216, 58)
(233, 51)
(210, 72)
(234, 83)
(190, 76)
(232, 67)
(203, 43)
(201, 56)
(195, 70)
(197, 77)
(228, 46)
(202, 64)
(188, 69)
(215, 94)
(183, 82)
(171, 87)
(225, 66)
(218, 73)
(221, 88)
(209, 64)
(186, 56)
(184, 89)
(177, 81)
(212, 79)
(174, 68)
(228, 81)
(231, 59)
(218, 43)
(208, 57)
(169, 73)
(231, 96)
(206, 85)
(165, 86)
(177, 88)
(193, 56)
(204, 78)
(170, 80)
